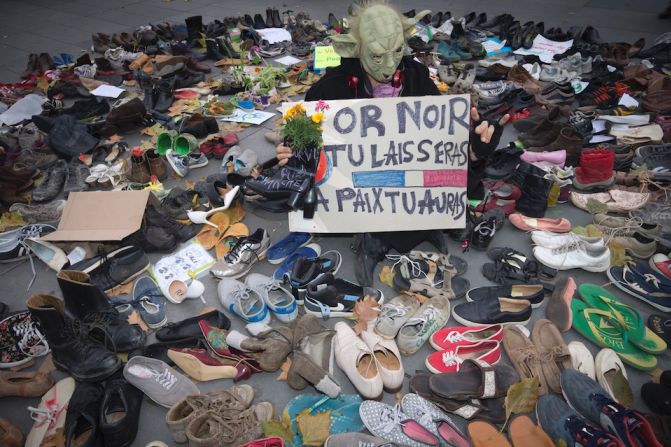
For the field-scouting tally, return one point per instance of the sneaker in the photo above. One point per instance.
(450, 338)
(244, 254)
(392, 424)
(196, 160)
(431, 316)
(307, 270)
(551, 240)
(283, 272)
(534, 293)
(22, 340)
(593, 258)
(394, 314)
(49, 415)
(592, 402)
(239, 299)
(120, 269)
(36, 213)
(13, 246)
(279, 300)
(283, 248)
(238, 160)
(211, 428)
(158, 381)
(178, 163)
(561, 423)
(493, 310)
(434, 419)
(450, 361)
(328, 296)
(356, 439)
(148, 300)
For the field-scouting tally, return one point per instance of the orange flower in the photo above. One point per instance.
(318, 117)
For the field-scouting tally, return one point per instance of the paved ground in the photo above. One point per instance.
(65, 26)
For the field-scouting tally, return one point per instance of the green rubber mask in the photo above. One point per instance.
(382, 42)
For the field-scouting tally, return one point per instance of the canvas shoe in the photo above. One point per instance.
(283, 272)
(357, 360)
(49, 415)
(239, 161)
(394, 314)
(450, 338)
(158, 381)
(433, 419)
(13, 244)
(279, 300)
(392, 424)
(551, 240)
(22, 340)
(582, 359)
(308, 270)
(388, 359)
(178, 163)
(244, 254)
(534, 293)
(431, 316)
(356, 439)
(592, 258)
(450, 361)
(661, 264)
(283, 248)
(148, 300)
(640, 281)
(328, 296)
(243, 301)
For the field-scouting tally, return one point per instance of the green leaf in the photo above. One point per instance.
(596, 207)
(621, 390)
(521, 397)
(276, 428)
(561, 443)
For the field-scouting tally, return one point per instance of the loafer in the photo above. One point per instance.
(524, 223)
(493, 310)
(534, 293)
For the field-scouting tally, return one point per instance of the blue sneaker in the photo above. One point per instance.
(284, 270)
(592, 402)
(279, 300)
(561, 423)
(148, 300)
(242, 301)
(283, 248)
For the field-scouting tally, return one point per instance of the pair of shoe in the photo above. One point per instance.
(302, 269)
(506, 304)
(513, 267)
(147, 300)
(595, 171)
(327, 296)
(591, 417)
(454, 344)
(371, 362)
(528, 224)
(569, 251)
(219, 146)
(430, 274)
(254, 299)
(411, 323)
(413, 422)
(145, 164)
(182, 164)
(243, 255)
(641, 281)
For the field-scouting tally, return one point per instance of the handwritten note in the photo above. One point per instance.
(325, 56)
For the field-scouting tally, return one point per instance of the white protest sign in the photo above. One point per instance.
(393, 164)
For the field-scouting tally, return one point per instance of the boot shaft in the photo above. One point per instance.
(139, 171)
(535, 193)
(82, 298)
(156, 164)
(50, 312)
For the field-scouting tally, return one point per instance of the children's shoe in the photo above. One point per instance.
(241, 300)
(279, 300)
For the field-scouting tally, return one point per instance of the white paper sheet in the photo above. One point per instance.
(274, 35)
(255, 117)
(108, 91)
(545, 49)
(288, 60)
(628, 101)
(23, 109)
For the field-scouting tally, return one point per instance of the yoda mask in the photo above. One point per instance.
(377, 37)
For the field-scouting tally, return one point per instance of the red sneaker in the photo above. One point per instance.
(449, 338)
(661, 263)
(231, 139)
(450, 361)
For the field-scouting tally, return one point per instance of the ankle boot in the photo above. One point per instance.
(194, 26)
(149, 95)
(71, 349)
(139, 169)
(542, 134)
(164, 95)
(277, 21)
(269, 17)
(534, 200)
(213, 51)
(156, 164)
(258, 22)
(86, 302)
(226, 47)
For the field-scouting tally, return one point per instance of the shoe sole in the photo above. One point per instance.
(631, 292)
(276, 261)
(465, 322)
(559, 305)
(130, 278)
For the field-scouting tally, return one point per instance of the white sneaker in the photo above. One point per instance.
(607, 365)
(576, 255)
(581, 359)
(279, 300)
(357, 361)
(388, 360)
(430, 317)
(549, 239)
(242, 301)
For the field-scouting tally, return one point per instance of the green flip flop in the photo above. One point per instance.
(165, 141)
(185, 143)
(603, 329)
(638, 333)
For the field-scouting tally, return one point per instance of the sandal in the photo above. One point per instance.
(520, 260)
(468, 384)
(630, 319)
(604, 330)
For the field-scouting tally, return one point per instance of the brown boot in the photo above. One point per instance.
(24, 384)
(156, 164)
(10, 435)
(139, 169)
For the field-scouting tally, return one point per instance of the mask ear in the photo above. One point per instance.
(410, 22)
(345, 45)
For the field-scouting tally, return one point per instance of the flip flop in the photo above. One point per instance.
(604, 330)
(524, 433)
(637, 333)
(476, 379)
(484, 434)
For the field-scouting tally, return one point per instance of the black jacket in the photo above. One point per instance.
(334, 84)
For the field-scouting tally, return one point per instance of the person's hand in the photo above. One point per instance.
(484, 136)
(283, 154)
(484, 129)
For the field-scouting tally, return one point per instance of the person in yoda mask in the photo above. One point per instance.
(374, 65)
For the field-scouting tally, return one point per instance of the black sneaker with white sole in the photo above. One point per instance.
(306, 270)
(334, 297)
(492, 310)
(534, 293)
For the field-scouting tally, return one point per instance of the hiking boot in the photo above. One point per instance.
(431, 316)
(85, 302)
(72, 349)
(211, 428)
(226, 402)
(81, 422)
(369, 251)
(155, 164)
(121, 269)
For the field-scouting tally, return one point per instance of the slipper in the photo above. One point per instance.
(476, 379)
(608, 367)
(524, 433)
(558, 309)
(604, 330)
(637, 333)
(484, 434)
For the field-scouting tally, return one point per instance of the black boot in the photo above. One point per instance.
(534, 200)
(194, 26)
(258, 22)
(71, 349)
(269, 18)
(164, 95)
(81, 421)
(213, 51)
(277, 21)
(149, 95)
(369, 251)
(86, 302)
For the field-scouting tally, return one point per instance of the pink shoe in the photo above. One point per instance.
(441, 362)
(450, 338)
(555, 158)
(508, 206)
(524, 223)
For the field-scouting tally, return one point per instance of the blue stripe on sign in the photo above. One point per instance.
(372, 179)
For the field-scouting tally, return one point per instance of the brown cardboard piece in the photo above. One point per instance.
(101, 216)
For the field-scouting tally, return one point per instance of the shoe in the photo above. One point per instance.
(24, 384)
(283, 248)
(610, 370)
(85, 302)
(661, 325)
(189, 328)
(449, 361)
(200, 365)
(493, 310)
(158, 381)
(83, 414)
(229, 402)
(393, 314)
(148, 300)
(53, 184)
(243, 301)
(581, 255)
(119, 411)
(503, 162)
(388, 360)
(35, 214)
(561, 423)
(524, 223)
(525, 356)
(178, 163)
(534, 293)
(430, 316)
(369, 252)
(551, 240)
(592, 402)
(279, 300)
(350, 439)
(211, 429)
(122, 268)
(595, 170)
(306, 270)
(357, 361)
(450, 338)
(14, 244)
(441, 425)
(392, 424)
(582, 359)
(554, 354)
(328, 296)
(535, 200)
(558, 309)
(244, 254)
(283, 272)
(10, 435)
(640, 281)
(428, 273)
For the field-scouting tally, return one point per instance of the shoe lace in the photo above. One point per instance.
(451, 358)
(100, 321)
(240, 247)
(391, 418)
(32, 343)
(454, 336)
(393, 310)
(242, 298)
(48, 415)
(415, 268)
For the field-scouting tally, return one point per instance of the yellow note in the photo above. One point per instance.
(325, 56)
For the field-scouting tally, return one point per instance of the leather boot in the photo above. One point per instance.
(71, 349)
(194, 26)
(149, 94)
(31, 68)
(534, 201)
(81, 423)
(139, 169)
(542, 134)
(156, 164)
(226, 47)
(269, 17)
(86, 302)
(567, 139)
(369, 251)
(164, 96)
(277, 21)
(213, 51)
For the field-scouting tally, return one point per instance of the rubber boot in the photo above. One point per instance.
(86, 302)
(71, 349)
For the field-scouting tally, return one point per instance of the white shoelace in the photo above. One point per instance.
(454, 336)
(415, 268)
(391, 420)
(392, 310)
(166, 379)
(28, 333)
(451, 358)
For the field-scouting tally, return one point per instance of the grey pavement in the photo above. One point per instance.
(66, 25)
